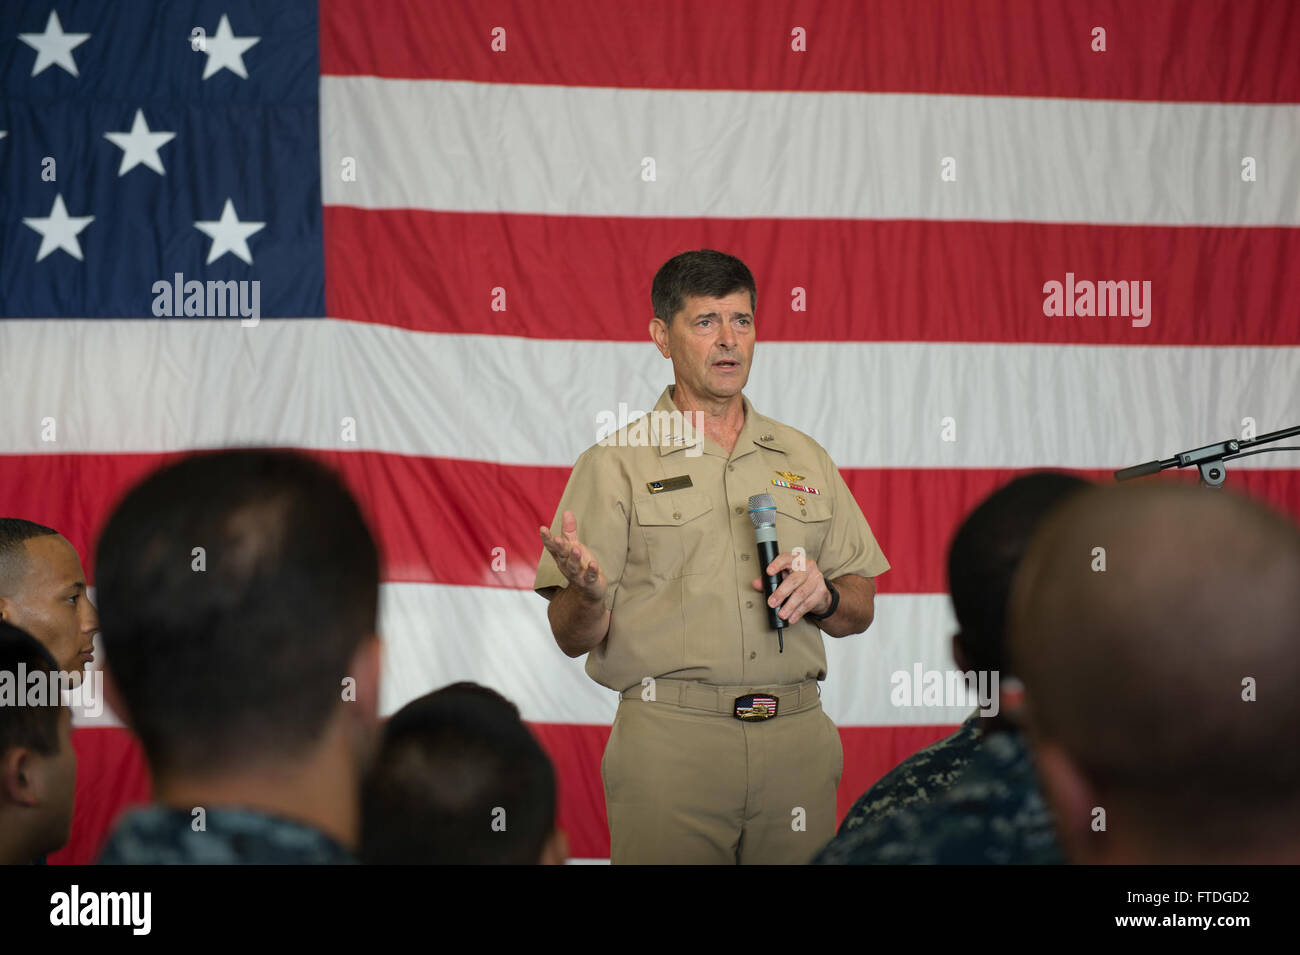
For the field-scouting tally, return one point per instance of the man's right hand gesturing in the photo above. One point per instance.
(575, 560)
(578, 615)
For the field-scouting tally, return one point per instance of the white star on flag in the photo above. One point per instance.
(59, 230)
(226, 51)
(54, 47)
(140, 146)
(229, 234)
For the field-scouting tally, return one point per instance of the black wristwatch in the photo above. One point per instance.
(830, 611)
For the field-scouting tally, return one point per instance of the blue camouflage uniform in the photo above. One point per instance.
(917, 780)
(994, 815)
(161, 836)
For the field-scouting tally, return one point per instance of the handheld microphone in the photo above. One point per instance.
(762, 512)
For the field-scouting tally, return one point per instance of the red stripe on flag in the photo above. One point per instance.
(894, 280)
(1228, 50)
(112, 777)
(470, 507)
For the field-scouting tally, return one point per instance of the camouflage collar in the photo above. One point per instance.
(218, 836)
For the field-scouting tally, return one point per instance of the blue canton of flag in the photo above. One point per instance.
(142, 141)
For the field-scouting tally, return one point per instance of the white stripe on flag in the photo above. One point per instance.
(435, 635)
(157, 386)
(489, 147)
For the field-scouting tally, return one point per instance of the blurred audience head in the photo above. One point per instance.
(38, 766)
(984, 555)
(1163, 710)
(239, 593)
(460, 779)
(43, 591)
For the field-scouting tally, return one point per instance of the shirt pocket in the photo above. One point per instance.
(802, 525)
(676, 528)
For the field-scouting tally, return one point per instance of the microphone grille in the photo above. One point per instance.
(762, 509)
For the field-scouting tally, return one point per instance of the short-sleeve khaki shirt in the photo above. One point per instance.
(680, 563)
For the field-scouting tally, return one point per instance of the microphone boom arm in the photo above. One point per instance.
(1209, 459)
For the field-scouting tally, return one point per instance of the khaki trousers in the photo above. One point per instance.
(688, 783)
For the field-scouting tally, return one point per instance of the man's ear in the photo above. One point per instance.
(659, 335)
(18, 785)
(1073, 801)
(366, 666)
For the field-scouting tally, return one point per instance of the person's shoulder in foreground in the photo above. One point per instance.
(162, 836)
(994, 815)
(917, 780)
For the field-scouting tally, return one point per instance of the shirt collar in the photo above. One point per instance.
(157, 833)
(755, 432)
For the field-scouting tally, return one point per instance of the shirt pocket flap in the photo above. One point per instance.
(671, 508)
(814, 510)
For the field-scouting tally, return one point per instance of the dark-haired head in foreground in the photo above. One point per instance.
(1165, 707)
(982, 562)
(43, 591)
(38, 766)
(459, 779)
(968, 798)
(238, 593)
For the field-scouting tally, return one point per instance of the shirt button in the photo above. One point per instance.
(804, 511)
(749, 604)
(744, 557)
(739, 509)
(752, 654)
(677, 515)
(731, 467)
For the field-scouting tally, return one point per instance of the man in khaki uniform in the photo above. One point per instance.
(720, 751)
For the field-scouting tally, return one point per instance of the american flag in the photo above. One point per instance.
(454, 211)
(764, 705)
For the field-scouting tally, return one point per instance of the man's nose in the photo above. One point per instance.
(91, 624)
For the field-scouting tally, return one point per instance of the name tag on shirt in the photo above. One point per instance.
(669, 484)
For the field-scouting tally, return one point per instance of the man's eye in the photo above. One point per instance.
(74, 597)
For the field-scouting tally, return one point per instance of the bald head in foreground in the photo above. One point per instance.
(1162, 690)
